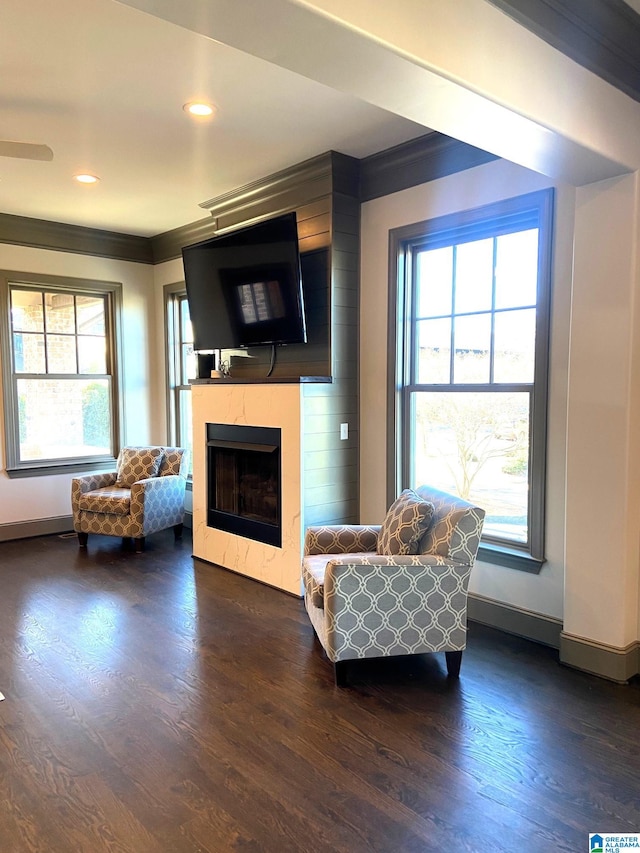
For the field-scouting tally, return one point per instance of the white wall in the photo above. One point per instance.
(603, 429)
(541, 593)
(30, 498)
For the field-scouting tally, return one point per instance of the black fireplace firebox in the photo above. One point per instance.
(243, 481)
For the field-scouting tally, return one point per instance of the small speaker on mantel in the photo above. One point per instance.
(206, 363)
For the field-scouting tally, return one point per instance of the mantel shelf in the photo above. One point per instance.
(266, 380)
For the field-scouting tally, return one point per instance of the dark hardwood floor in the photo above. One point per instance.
(158, 703)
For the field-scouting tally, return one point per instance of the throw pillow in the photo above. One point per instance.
(138, 463)
(406, 522)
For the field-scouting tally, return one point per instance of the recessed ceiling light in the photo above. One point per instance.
(86, 179)
(198, 109)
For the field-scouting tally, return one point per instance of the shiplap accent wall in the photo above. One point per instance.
(330, 486)
(324, 192)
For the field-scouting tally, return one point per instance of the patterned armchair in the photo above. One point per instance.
(144, 495)
(363, 603)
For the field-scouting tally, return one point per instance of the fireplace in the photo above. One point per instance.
(243, 481)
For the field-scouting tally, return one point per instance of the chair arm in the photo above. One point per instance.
(394, 605)
(415, 574)
(158, 502)
(341, 539)
(80, 485)
(393, 564)
(160, 482)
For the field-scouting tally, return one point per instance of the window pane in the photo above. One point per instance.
(186, 331)
(92, 354)
(514, 343)
(28, 351)
(472, 348)
(90, 310)
(476, 445)
(61, 354)
(517, 269)
(60, 313)
(63, 418)
(475, 433)
(474, 276)
(433, 358)
(189, 366)
(26, 311)
(434, 270)
(185, 437)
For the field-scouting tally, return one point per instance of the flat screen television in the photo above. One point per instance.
(244, 288)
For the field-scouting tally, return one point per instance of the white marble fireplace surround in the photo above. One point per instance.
(289, 407)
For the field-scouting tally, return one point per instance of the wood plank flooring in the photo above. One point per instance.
(158, 704)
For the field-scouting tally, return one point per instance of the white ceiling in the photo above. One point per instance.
(104, 85)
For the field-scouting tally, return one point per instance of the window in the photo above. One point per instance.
(59, 373)
(471, 371)
(181, 363)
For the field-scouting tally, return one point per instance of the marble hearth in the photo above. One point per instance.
(300, 411)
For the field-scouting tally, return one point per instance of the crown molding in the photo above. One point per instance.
(409, 164)
(278, 193)
(62, 237)
(309, 180)
(167, 246)
(601, 35)
(416, 162)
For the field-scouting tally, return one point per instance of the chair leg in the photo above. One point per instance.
(83, 538)
(340, 667)
(454, 659)
(139, 543)
(177, 532)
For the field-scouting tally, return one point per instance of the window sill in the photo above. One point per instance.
(60, 468)
(499, 555)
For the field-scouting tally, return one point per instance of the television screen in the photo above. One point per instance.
(244, 288)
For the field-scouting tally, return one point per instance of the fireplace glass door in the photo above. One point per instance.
(243, 471)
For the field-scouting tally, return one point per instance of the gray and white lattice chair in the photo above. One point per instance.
(145, 494)
(394, 589)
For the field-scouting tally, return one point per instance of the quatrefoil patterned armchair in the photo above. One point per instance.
(144, 495)
(394, 589)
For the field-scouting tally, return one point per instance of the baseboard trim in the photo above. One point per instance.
(599, 659)
(38, 527)
(608, 662)
(49, 526)
(514, 620)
